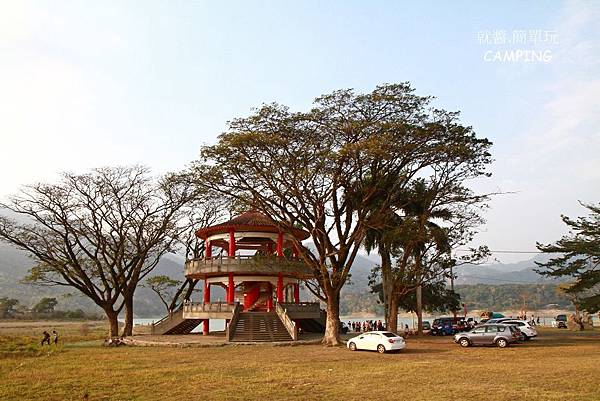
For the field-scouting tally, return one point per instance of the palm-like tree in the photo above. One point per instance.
(419, 229)
(405, 227)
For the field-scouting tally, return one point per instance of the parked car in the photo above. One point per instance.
(560, 321)
(498, 334)
(446, 326)
(525, 328)
(380, 341)
(426, 325)
(498, 320)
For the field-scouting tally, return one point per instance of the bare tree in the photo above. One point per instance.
(100, 232)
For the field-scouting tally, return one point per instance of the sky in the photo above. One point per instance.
(91, 84)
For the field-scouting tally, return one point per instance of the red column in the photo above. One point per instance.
(230, 289)
(206, 292)
(279, 244)
(206, 301)
(296, 293)
(231, 252)
(280, 288)
(208, 252)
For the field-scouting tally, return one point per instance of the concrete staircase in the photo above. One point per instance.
(259, 326)
(175, 324)
(314, 325)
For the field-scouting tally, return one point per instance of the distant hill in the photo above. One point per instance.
(14, 265)
(505, 273)
(356, 296)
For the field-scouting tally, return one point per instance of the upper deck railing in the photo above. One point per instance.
(250, 264)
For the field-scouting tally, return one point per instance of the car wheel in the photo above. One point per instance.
(352, 346)
(526, 337)
(464, 342)
(381, 349)
(501, 343)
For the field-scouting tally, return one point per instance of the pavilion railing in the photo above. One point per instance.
(230, 331)
(303, 307)
(248, 263)
(191, 307)
(289, 324)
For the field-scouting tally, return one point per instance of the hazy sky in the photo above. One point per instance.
(86, 84)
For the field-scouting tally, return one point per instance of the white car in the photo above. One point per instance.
(380, 341)
(528, 330)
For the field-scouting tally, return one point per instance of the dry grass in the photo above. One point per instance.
(557, 366)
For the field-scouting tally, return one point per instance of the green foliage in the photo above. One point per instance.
(512, 297)
(45, 306)
(7, 307)
(436, 297)
(363, 303)
(579, 258)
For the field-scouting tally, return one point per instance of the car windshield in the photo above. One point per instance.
(388, 334)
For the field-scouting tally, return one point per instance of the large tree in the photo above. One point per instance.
(321, 169)
(100, 232)
(577, 255)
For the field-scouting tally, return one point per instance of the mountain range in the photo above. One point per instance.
(14, 265)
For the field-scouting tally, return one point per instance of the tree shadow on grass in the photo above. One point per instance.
(562, 341)
(417, 351)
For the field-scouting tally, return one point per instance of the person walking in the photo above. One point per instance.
(46, 339)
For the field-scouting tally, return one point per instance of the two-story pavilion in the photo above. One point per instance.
(257, 265)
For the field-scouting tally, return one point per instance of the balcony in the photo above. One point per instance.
(302, 310)
(213, 310)
(249, 265)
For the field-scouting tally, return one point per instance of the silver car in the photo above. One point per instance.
(497, 334)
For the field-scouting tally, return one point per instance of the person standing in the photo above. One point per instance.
(46, 339)
(55, 337)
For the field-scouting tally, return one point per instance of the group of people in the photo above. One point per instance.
(46, 338)
(367, 325)
(533, 321)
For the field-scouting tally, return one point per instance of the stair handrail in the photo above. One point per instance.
(169, 316)
(289, 324)
(230, 332)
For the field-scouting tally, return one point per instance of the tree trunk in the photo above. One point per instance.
(419, 297)
(387, 283)
(128, 329)
(454, 311)
(419, 294)
(113, 322)
(332, 332)
(188, 285)
(392, 325)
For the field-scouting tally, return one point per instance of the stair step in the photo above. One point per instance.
(260, 327)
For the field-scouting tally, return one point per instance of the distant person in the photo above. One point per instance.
(406, 330)
(55, 337)
(538, 320)
(46, 339)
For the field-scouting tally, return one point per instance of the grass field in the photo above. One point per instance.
(559, 365)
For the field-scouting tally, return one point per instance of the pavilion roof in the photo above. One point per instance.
(252, 220)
